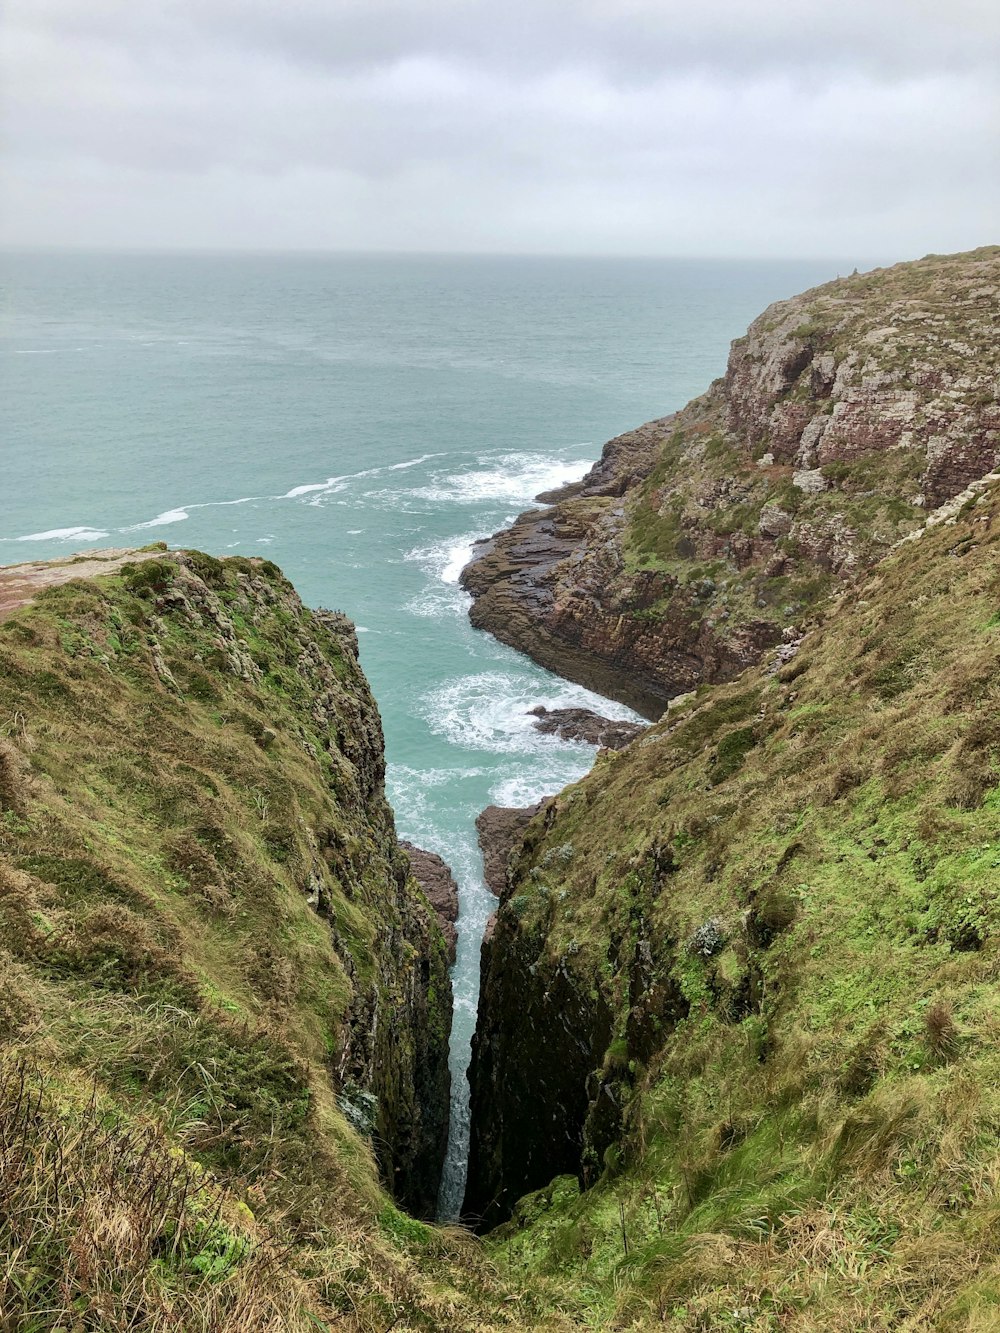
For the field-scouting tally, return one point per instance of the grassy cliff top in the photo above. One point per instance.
(845, 415)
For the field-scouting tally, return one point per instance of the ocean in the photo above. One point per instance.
(361, 421)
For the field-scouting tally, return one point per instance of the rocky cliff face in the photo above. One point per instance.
(199, 872)
(440, 889)
(742, 985)
(698, 541)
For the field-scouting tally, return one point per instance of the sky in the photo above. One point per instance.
(730, 128)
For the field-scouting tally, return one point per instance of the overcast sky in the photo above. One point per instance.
(709, 127)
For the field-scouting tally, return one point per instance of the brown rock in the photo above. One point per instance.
(580, 724)
(500, 828)
(435, 878)
(845, 417)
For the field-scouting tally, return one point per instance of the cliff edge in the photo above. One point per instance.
(736, 1062)
(846, 415)
(224, 1000)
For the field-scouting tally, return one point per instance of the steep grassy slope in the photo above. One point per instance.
(744, 986)
(845, 415)
(223, 999)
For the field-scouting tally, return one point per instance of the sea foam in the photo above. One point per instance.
(161, 520)
(445, 559)
(82, 534)
(490, 711)
(510, 479)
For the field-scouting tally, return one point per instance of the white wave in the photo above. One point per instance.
(486, 711)
(412, 795)
(332, 484)
(65, 535)
(439, 601)
(402, 467)
(182, 512)
(527, 787)
(490, 710)
(511, 479)
(162, 520)
(445, 559)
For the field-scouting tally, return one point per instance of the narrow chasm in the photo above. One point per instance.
(562, 1032)
(536, 1045)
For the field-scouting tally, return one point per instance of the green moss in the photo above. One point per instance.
(730, 753)
(836, 1070)
(161, 837)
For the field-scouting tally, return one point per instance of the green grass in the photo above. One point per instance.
(202, 910)
(814, 1143)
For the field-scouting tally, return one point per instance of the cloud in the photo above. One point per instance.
(578, 125)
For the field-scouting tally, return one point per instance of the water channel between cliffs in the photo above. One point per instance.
(498, 757)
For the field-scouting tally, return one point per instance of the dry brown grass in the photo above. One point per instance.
(107, 1226)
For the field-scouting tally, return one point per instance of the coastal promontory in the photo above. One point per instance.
(845, 416)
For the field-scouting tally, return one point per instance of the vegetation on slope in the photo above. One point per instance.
(778, 916)
(846, 415)
(223, 1000)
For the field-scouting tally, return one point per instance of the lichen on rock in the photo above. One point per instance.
(846, 415)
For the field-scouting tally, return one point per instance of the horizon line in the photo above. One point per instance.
(249, 252)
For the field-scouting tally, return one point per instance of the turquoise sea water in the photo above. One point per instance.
(360, 421)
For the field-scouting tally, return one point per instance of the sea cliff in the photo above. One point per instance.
(741, 993)
(224, 1000)
(845, 416)
(735, 1064)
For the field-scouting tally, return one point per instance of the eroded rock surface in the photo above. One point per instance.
(499, 828)
(434, 876)
(846, 416)
(581, 724)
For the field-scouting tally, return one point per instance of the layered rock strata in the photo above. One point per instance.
(434, 876)
(845, 416)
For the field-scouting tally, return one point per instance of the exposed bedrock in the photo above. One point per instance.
(531, 1057)
(845, 416)
(546, 1098)
(500, 828)
(581, 724)
(434, 876)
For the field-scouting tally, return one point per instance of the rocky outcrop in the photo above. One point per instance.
(846, 416)
(438, 884)
(237, 730)
(545, 1101)
(528, 1107)
(499, 828)
(581, 724)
